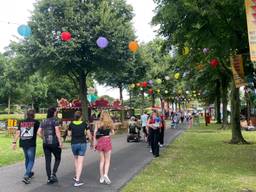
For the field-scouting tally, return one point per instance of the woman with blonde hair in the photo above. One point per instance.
(103, 130)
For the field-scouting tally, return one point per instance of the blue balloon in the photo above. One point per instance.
(24, 30)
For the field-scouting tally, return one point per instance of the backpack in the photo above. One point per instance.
(49, 134)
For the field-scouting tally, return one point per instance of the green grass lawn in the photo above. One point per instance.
(9, 156)
(201, 161)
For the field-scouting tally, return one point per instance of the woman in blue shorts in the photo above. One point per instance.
(78, 130)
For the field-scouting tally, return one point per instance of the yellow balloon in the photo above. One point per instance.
(132, 85)
(158, 90)
(185, 51)
(158, 81)
(177, 75)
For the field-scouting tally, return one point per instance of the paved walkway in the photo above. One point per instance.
(127, 160)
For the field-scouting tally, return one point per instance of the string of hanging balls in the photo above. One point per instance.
(214, 62)
(102, 42)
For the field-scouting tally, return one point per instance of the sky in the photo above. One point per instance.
(16, 12)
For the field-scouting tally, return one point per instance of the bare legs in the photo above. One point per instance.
(79, 162)
(104, 165)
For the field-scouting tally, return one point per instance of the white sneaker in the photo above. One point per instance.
(107, 180)
(150, 150)
(102, 180)
(161, 146)
(78, 184)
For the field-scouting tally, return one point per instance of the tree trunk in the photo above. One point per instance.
(83, 95)
(237, 136)
(122, 102)
(153, 100)
(9, 104)
(218, 99)
(142, 103)
(224, 88)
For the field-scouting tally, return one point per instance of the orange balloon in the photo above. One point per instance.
(133, 46)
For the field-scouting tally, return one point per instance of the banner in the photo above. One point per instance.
(238, 70)
(251, 24)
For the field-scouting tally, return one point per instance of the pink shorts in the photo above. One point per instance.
(104, 144)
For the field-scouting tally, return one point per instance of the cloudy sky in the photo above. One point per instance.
(16, 12)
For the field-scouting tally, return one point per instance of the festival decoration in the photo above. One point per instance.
(133, 46)
(141, 89)
(200, 67)
(150, 91)
(158, 81)
(102, 42)
(24, 30)
(166, 92)
(158, 90)
(138, 84)
(167, 78)
(66, 36)
(185, 51)
(133, 86)
(150, 82)
(144, 84)
(214, 63)
(205, 50)
(177, 75)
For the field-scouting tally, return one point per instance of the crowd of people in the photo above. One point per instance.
(152, 125)
(49, 131)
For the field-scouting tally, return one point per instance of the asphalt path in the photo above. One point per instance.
(128, 159)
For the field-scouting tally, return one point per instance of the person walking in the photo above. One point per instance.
(49, 131)
(102, 136)
(144, 119)
(154, 123)
(27, 134)
(78, 130)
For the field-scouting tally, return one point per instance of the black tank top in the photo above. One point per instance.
(104, 131)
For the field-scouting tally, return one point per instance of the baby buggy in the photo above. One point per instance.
(133, 133)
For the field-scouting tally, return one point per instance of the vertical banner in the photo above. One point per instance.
(251, 25)
(238, 70)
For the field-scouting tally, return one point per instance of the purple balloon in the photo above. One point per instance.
(102, 42)
(150, 82)
(205, 50)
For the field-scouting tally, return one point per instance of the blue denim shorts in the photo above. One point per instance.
(79, 149)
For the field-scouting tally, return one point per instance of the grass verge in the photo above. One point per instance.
(199, 161)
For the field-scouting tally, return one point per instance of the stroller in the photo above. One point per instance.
(133, 133)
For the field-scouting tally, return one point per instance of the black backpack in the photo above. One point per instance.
(49, 134)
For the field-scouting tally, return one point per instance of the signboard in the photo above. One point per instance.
(12, 123)
(251, 24)
(238, 70)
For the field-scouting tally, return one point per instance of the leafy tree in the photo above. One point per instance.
(86, 20)
(200, 24)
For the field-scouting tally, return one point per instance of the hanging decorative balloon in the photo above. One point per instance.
(24, 30)
(185, 51)
(158, 81)
(133, 46)
(138, 84)
(158, 90)
(102, 42)
(206, 50)
(166, 92)
(167, 78)
(200, 67)
(150, 82)
(144, 84)
(187, 92)
(141, 89)
(132, 86)
(177, 75)
(66, 36)
(214, 63)
(150, 91)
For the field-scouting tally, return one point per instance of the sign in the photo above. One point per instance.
(251, 24)
(238, 70)
(12, 123)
